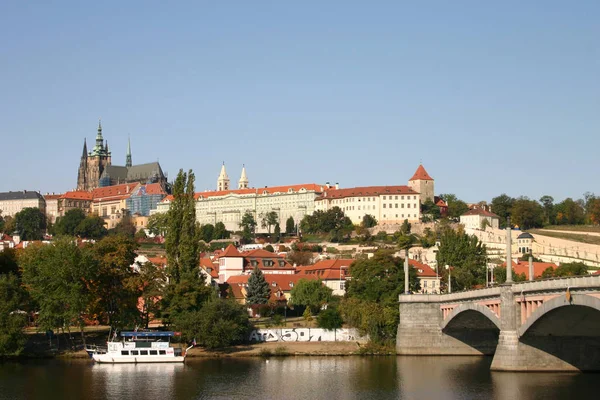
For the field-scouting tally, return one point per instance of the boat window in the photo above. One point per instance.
(162, 352)
(124, 352)
(153, 352)
(134, 352)
(143, 352)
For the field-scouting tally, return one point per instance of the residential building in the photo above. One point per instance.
(281, 286)
(110, 202)
(52, 206)
(96, 169)
(75, 199)
(233, 262)
(333, 273)
(13, 202)
(479, 218)
(428, 278)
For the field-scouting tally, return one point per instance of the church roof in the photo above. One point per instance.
(140, 172)
(421, 175)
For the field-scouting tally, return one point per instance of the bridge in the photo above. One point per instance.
(547, 325)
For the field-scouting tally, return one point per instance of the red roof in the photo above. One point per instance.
(423, 270)
(367, 191)
(479, 211)
(52, 196)
(115, 192)
(210, 267)
(77, 195)
(421, 174)
(160, 261)
(231, 251)
(280, 281)
(522, 267)
(326, 270)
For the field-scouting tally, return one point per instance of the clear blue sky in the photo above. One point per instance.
(493, 97)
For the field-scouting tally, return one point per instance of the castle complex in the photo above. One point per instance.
(96, 169)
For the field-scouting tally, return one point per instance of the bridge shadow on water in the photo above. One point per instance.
(475, 330)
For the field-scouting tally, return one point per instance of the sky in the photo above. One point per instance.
(492, 97)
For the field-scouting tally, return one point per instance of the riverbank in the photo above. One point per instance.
(268, 349)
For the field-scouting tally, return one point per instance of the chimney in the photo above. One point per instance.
(337, 185)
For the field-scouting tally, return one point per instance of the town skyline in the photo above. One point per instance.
(335, 92)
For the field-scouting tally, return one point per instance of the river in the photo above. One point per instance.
(289, 378)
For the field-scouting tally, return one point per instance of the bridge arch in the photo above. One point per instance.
(471, 307)
(556, 303)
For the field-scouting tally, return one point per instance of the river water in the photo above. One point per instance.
(290, 378)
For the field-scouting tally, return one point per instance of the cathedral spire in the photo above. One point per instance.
(99, 147)
(84, 155)
(243, 183)
(128, 157)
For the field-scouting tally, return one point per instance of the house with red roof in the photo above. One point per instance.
(232, 262)
(478, 218)
(281, 286)
(110, 202)
(522, 267)
(333, 273)
(429, 280)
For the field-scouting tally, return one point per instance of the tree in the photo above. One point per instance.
(222, 323)
(269, 248)
(9, 225)
(206, 232)
(290, 226)
(377, 320)
(258, 291)
(151, 281)
(8, 262)
(2, 222)
(456, 207)
(501, 206)
(158, 223)
(547, 203)
(569, 212)
(60, 277)
(269, 219)
(330, 319)
(310, 293)
(30, 224)
(277, 233)
(594, 212)
(124, 226)
(140, 235)
(466, 254)
(67, 224)
(92, 227)
(527, 214)
(300, 257)
(405, 227)
(12, 320)
(368, 221)
(430, 211)
(220, 232)
(248, 226)
(332, 221)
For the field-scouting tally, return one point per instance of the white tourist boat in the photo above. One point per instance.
(140, 347)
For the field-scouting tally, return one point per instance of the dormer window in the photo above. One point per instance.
(254, 263)
(291, 284)
(274, 284)
(290, 190)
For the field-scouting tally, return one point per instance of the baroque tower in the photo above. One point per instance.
(423, 183)
(243, 183)
(223, 181)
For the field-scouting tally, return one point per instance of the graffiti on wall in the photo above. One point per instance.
(304, 335)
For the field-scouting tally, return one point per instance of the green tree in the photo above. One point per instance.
(59, 278)
(221, 323)
(92, 227)
(290, 226)
(66, 225)
(206, 232)
(269, 248)
(527, 214)
(2, 222)
(248, 226)
(466, 254)
(151, 280)
(158, 224)
(268, 220)
(258, 290)
(124, 226)
(547, 203)
(594, 212)
(12, 320)
(405, 227)
(501, 206)
(310, 293)
(456, 207)
(377, 320)
(330, 319)
(430, 211)
(30, 224)
(368, 221)
(333, 221)
(220, 232)
(9, 225)
(569, 212)
(8, 262)
(277, 233)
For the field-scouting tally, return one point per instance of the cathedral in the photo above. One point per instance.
(96, 169)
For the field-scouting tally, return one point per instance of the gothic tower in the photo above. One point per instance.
(243, 183)
(422, 183)
(128, 157)
(223, 181)
(93, 164)
(82, 173)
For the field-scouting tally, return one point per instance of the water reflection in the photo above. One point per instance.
(288, 378)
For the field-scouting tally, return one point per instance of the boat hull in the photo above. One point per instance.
(110, 359)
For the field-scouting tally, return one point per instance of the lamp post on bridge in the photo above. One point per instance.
(449, 278)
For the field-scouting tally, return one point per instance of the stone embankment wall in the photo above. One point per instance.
(306, 335)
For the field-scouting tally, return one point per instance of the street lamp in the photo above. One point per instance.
(449, 278)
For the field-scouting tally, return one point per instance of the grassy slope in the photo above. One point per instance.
(582, 238)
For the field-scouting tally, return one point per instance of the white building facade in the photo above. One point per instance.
(13, 202)
(478, 218)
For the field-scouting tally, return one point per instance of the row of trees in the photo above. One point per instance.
(332, 222)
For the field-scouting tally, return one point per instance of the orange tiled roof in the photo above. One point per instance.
(154, 188)
(206, 263)
(231, 251)
(367, 191)
(522, 267)
(77, 195)
(421, 174)
(115, 192)
(423, 270)
(280, 281)
(52, 196)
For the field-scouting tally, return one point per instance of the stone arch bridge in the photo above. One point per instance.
(548, 325)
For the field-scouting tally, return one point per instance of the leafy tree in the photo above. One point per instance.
(466, 254)
(9, 225)
(248, 226)
(220, 232)
(221, 323)
(368, 221)
(269, 219)
(300, 257)
(456, 207)
(527, 214)
(140, 235)
(290, 226)
(377, 320)
(547, 203)
(12, 321)
(380, 279)
(332, 221)
(277, 233)
(67, 224)
(151, 281)
(405, 227)
(124, 226)
(258, 290)
(310, 293)
(571, 269)
(500, 275)
(30, 224)
(430, 211)
(158, 223)
(501, 206)
(92, 227)
(594, 212)
(569, 212)
(206, 232)
(330, 319)
(269, 248)
(59, 278)
(8, 262)
(2, 222)
(307, 315)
